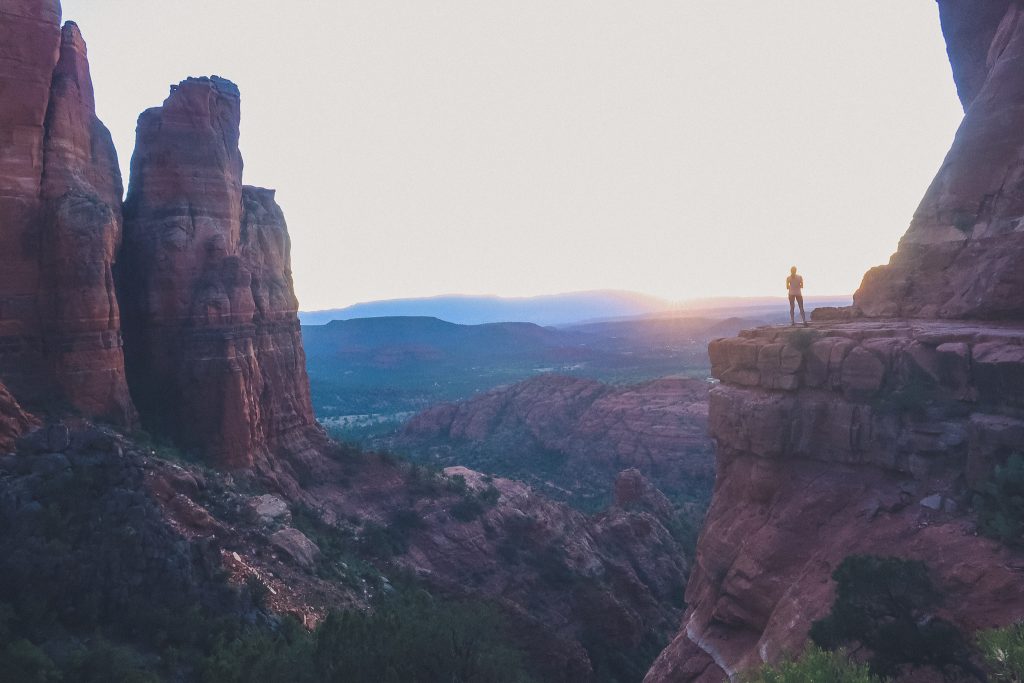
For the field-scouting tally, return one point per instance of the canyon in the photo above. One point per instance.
(159, 452)
(872, 431)
(157, 438)
(569, 436)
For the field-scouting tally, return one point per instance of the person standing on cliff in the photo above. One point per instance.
(795, 285)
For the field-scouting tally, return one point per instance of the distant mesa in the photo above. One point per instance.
(555, 309)
(560, 309)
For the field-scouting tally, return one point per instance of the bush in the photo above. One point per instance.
(411, 637)
(815, 666)
(1000, 503)
(1003, 651)
(885, 604)
(23, 661)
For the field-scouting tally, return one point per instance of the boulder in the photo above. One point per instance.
(297, 546)
(267, 509)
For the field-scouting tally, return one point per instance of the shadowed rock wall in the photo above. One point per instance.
(961, 256)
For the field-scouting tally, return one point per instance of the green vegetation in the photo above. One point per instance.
(410, 637)
(1000, 503)
(815, 666)
(367, 376)
(1003, 652)
(886, 605)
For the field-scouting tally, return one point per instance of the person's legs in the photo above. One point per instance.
(799, 300)
(792, 319)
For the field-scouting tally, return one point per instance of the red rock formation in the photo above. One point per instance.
(871, 437)
(852, 438)
(60, 204)
(214, 350)
(14, 421)
(960, 258)
(659, 427)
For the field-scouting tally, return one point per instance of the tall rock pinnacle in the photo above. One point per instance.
(60, 208)
(214, 350)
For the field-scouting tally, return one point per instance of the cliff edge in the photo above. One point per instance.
(871, 431)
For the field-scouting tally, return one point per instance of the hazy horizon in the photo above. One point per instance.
(679, 149)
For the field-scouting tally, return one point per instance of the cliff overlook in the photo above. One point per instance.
(873, 431)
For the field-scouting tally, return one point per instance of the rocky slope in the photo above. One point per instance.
(214, 350)
(592, 595)
(60, 204)
(102, 531)
(570, 434)
(872, 436)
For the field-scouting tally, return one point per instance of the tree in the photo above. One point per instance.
(886, 604)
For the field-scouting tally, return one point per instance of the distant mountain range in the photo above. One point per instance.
(367, 374)
(565, 309)
(555, 309)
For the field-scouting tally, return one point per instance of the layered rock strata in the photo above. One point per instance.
(845, 439)
(961, 256)
(587, 430)
(60, 207)
(214, 350)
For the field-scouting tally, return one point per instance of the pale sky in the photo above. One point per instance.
(683, 148)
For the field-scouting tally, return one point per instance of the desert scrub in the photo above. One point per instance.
(814, 666)
(887, 604)
(1000, 503)
(1003, 652)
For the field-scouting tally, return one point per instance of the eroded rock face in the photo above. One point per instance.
(577, 587)
(870, 438)
(960, 257)
(215, 355)
(588, 430)
(60, 205)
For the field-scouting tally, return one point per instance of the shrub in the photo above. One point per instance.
(884, 603)
(1000, 503)
(815, 666)
(23, 661)
(1003, 651)
(467, 509)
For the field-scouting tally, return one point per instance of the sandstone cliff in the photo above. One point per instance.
(214, 352)
(872, 436)
(844, 439)
(961, 256)
(60, 205)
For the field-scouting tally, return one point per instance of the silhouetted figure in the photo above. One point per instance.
(795, 285)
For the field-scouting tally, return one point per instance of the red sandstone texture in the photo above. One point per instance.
(658, 427)
(60, 206)
(214, 349)
(961, 256)
(844, 439)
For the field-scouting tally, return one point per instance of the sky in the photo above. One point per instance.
(681, 148)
